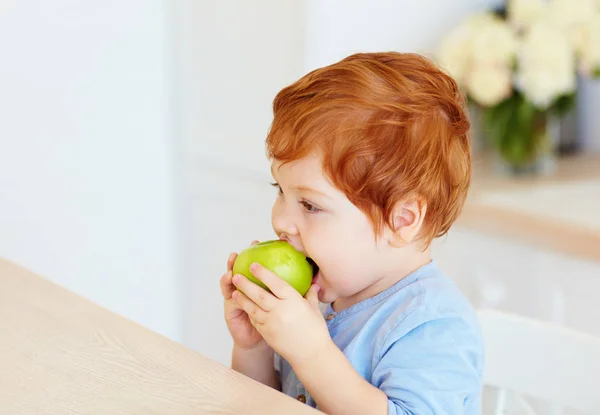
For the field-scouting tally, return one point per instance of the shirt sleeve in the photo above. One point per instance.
(433, 368)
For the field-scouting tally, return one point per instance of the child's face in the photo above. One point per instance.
(319, 220)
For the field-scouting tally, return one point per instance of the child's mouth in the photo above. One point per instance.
(315, 267)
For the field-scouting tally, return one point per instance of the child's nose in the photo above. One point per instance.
(284, 229)
(283, 224)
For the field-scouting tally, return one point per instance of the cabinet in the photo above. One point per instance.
(510, 275)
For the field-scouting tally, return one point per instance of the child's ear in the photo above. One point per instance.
(407, 219)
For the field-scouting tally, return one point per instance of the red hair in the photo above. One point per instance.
(388, 126)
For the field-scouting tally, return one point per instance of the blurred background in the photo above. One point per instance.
(132, 158)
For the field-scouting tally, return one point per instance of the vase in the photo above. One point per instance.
(479, 142)
(541, 160)
(588, 109)
(522, 138)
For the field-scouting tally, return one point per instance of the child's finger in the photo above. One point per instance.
(231, 261)
(257, 294)
(312, 296)
(255, 313)
(254, 242)
(277, 285)
(227, 287)
(232, 309)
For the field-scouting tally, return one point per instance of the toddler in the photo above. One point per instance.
(371, 161)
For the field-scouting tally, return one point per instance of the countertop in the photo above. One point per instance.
(558, 211)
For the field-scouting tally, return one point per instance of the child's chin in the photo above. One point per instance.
(325, 297)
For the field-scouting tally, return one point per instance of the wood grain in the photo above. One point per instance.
(61, 354)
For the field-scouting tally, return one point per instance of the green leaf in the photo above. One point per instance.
(564, 104)
(516, 128)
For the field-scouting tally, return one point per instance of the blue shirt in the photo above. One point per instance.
(419, 341)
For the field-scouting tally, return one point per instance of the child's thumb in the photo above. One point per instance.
(312, 296)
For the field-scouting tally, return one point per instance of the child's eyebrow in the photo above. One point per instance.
(310, 190)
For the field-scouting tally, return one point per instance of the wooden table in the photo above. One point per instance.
(62, 354)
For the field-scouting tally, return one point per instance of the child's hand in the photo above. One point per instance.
(293, 326)
(242, 331)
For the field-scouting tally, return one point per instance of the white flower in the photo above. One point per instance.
(523, 13)
(494, 42)
(586, 41)
(546, 64)
(455, 52)
(489, 84)
(568, 13)
(479, 20)
(482, 37)
(579, 20)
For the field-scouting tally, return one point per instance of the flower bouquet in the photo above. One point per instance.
(518, 67)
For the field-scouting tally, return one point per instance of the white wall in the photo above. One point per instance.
(232, 58)
(337, 28)
(86, 159)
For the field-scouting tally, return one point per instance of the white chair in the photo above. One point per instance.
(526, 357)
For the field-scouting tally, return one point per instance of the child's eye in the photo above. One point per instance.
(276, 185)
(309, 207)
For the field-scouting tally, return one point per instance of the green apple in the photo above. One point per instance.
(279, 257)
